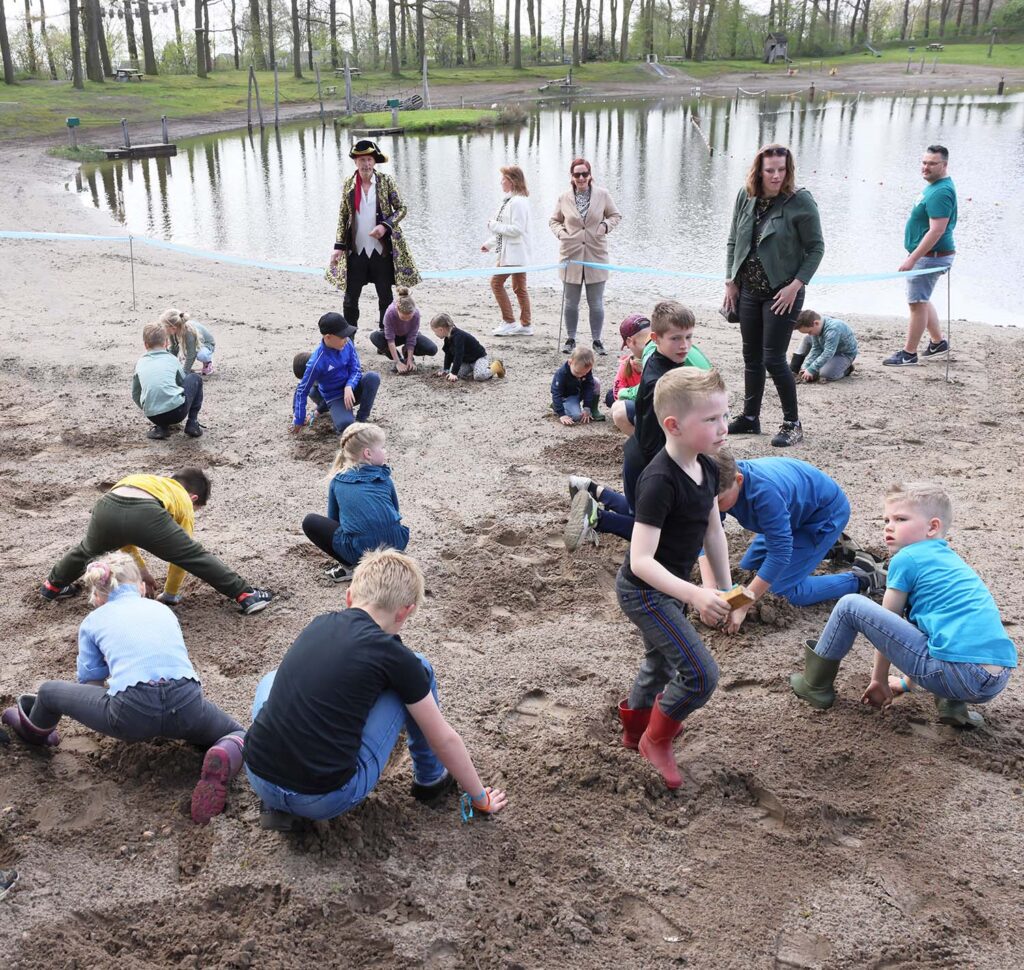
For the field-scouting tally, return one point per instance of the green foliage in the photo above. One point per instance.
(1010, 17)
(81, 154)
(447, 119)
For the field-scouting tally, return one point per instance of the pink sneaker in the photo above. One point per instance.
(207, 368)
(222, 762)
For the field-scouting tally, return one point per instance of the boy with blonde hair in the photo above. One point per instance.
(325, 722)
(166, 394)
(952, 643)
(575, 392)
(676, 515)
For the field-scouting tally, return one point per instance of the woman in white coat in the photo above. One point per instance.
(510, 239)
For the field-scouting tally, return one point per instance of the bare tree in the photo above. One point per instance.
(421, 31)
(271, 44)
(533, 30)
(296, 41)
(129, 33)
(585, 39)
(200, 44)
(5, 49)
(148, 52)
(624, 43)
(46, 41)
(352, 29)
(309, 34)
(91, 22)
(396, 70)
(259, 58)
(234, 33)
(374, 35)
(177, 27)
(517, 40)
(30, 39)
(705, 30)
(577, 17)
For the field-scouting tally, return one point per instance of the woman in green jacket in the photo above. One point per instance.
(774, 248)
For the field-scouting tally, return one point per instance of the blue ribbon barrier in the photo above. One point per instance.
(443, 274)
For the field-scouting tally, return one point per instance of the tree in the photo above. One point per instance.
(309, 34)
(30, 39)
(234, 33)
(46, 41)
(91, 19)
(76, 48)
(271, 45)
(177, 26)
(517, 40)
(200, 46)
(396, 69)
(148, 53)
(5, 49)
(577, 17)
(332, 15)
(533, 29)
(374, 35)
(352, 29)
(129, 33)
(624, 44)
(259, 59)
(296, 41)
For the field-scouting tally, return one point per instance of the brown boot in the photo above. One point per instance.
(656, 745)
(222, 762)
(634, 723)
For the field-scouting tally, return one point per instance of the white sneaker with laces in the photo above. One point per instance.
(506, 329)
(578, 483)
(521, 331)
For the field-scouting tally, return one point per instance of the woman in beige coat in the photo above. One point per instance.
(581, 222)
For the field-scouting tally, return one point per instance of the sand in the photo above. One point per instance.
(799, 838)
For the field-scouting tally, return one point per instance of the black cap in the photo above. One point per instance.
(334, 324)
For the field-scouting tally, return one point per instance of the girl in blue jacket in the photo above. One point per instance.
(362, 505)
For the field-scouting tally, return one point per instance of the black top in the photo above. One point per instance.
(307, 734)
(566, 384)
(461, 348)
(648, 437)
(668, 499)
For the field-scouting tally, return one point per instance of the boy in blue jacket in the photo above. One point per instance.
(333, 377)
(575, 392)
(797, 513)
(827, 351)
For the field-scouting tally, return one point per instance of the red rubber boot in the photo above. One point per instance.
(634, 723)
(222, 762)
(17, 719)
(656, 745)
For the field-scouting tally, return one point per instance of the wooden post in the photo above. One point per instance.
(163, 125)
(124, 128)
(348, 87)
(426, 87)
(991, 41)
(248, 119)
(319, 95)
(259, 104)
(277, 99)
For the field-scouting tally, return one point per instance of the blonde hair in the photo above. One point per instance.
(388, 579)
(404, 303)
(176, 322)
(583, 356)
(103, 576)
(154, 335)
(354, 440)
(671, 315)
(679, 390)
(515, 175)
(727, 469)
(926, 497)
(442, 321)
(754, 184)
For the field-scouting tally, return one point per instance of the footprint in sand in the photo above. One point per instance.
(639, 917)
(537, 708)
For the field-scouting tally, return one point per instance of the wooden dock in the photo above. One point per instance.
(359, 132)
(142, 151)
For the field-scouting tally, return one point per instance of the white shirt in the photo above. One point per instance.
(366, 219)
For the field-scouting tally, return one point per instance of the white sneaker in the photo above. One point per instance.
(521, 331)
(578, 483)
(579, 529)
(506, 329)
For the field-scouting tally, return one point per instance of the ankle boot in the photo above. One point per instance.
(17, 719)
(814, 685)
(656, 745)
(634, 723)
(796, 362)
(222, 762)
(956, 714)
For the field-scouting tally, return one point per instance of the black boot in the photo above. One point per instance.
(796, 362)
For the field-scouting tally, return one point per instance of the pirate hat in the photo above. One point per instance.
(366, 147)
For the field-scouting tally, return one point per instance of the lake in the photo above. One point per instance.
(275, 197)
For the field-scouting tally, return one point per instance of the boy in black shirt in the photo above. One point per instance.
(325, 721)
(676, 514)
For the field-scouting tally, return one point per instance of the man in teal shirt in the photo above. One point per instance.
(928, 238)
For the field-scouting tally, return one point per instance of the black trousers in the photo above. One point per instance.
(766, 338)
(188, 410)
(361, 269)
(425, 347)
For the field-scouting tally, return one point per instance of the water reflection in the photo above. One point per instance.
(275, 196)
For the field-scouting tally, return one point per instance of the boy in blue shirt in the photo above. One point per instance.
(827, 351)
(333, 377)
(953, 643)
(797, 512)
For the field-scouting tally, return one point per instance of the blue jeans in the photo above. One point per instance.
(366, 394)
(573, 404)
(616, 518)
(919, 288)
(676, 663)
(811, 543)
(904, 645)
(387, 718)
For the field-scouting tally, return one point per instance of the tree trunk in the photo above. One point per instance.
(688, 42)
(374, 37)
(296, 41)
(93, 69)
(259, 58)
(5, 48)
(271, 43)
(207, 34)
(600, 28)
(332, 16)
(614, 23)
(129, 33)
(30, 39)
(904, 19)
(177, 28)
(108, 69)
(396, 70)
(200, 44)
(624, 43)
(148, 53)
(800, 27)
(309, 35)
(517, 38)
(404, 29)
(459, 58)
(421, 33)
(234, 33)
(540, 29)
(944, 8)
(960, 15)
(565, 4)
(533, 28)
(577, 16)
(585, 39)
(352, 29)
(470, 49)
(705, 30)
(51, 66)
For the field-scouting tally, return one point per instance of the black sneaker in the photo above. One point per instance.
(340, 573)
(569, 346)
(848, 371)
(791, 433)
(939, 349)
(50, 592)
(253, 600)
(158, 433)
(745, 425)
(276, 821)
(193, 429)
(599, 349)
(432, 792)
(901, 359)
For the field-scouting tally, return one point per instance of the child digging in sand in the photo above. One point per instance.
(399, 337)
(135, 683)
(676, 514)
(827, 351)
(575, 392)
(362, 505)
(164, 392)
(189, 341)
(325, 722)
(952, 642)
(464, 356)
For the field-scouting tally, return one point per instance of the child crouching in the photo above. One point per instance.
(827, 351)
(135, 645)
(953, 643)
(362, 504)
(575, 392)
(464, 356)
(189, 341)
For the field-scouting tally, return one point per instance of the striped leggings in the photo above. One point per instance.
(676, 663)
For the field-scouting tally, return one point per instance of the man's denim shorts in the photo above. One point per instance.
(919, 288)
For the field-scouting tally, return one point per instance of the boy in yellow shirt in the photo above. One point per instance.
(156, 514)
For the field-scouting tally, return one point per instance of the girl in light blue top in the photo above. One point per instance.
(190, 341)
(135, 683)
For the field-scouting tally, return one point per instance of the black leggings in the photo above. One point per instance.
(320, 531)
(766, 338)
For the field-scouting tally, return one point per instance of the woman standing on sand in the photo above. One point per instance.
(582, 219)
(510, 239)
(774, 248)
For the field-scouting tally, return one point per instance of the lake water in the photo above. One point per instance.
(276, 197)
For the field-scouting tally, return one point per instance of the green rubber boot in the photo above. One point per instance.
(956, 714)
(814, 685)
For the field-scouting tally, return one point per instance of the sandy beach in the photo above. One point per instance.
(800, 838)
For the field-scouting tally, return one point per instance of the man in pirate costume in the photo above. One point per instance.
(370, 246)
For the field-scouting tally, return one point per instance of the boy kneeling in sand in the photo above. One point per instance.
(953, 643)
(325, 722)
(166, 394)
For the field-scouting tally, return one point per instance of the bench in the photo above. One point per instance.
(353, 72)
(936, 47)
(128, 74)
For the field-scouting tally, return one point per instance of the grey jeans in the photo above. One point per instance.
(834, 369)
(166, 709)
(595, 304)
(479, 370)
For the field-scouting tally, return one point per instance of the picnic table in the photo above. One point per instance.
(128, 74)
(353, 71)
(936, 47)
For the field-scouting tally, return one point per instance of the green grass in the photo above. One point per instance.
(439, 119)
(84, 153)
